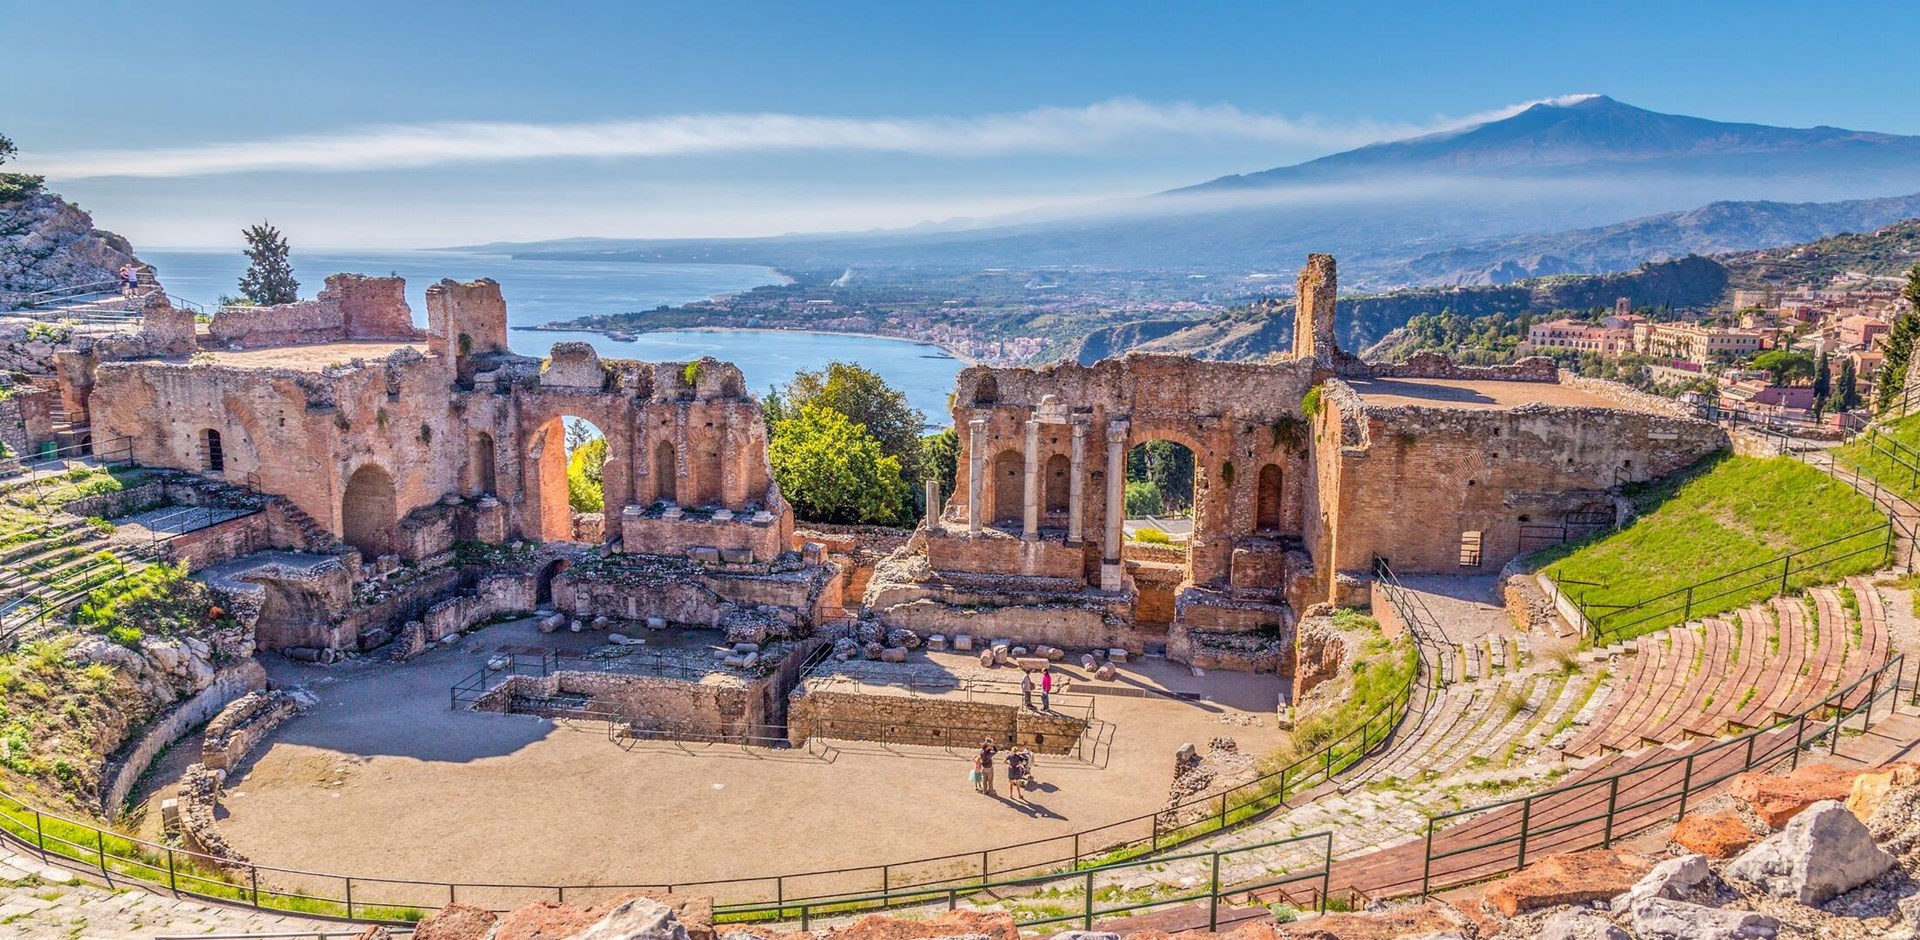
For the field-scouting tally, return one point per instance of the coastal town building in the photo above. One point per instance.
(1702, 345)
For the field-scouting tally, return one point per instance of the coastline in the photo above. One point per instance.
(562, 327)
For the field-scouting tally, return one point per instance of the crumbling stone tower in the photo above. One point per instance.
(1313, 311)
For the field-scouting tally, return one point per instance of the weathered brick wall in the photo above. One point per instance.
(233, 733)
(1427, 364)
(645, 533)
(351, 306)
(931, 722)
(1502, 469)
(221, 542)
(718, 706)
(493, 596)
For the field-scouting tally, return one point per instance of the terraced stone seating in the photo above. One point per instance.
(1739, 670)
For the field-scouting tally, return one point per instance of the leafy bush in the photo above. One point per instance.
(586, 476)
(1152, 537)
(833, 471)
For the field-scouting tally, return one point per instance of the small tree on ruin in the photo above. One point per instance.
(269, 278)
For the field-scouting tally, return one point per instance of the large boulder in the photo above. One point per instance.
(636, 919)
(1777, 799)
(456, 922)
(1661, 919)
(1417, 921)
(1823, 853)
(1687, 878)
(1572, 878)
(1580, 924)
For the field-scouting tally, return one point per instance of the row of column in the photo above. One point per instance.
(1076, 487)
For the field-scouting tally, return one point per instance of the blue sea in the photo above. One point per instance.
(539, 291)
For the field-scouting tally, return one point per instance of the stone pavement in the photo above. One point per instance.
(44, 902)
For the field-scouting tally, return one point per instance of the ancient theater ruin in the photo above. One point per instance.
(1310, 472)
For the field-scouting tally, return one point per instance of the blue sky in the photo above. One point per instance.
(357, 125)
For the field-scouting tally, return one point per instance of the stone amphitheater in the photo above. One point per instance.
(431, 698)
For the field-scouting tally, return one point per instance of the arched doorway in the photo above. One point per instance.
(1269, 514)
(1159, 528)
(369, 520)
(1009, 488)
(543, 588)
(215, 452)
(567, 464)
(480, 464)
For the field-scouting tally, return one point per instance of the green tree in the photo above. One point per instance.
(1822, 384)
(1143, 499)
(1168, 468)
(269, 278)
(1785, 365)
(866, 399)
(586, 476)
(833, 470)
(16, 185)
(940, 459)
(1846, 389)
(1892, 386)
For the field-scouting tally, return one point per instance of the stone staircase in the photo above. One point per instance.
(314, 537)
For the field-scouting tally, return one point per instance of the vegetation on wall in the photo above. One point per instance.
(158, 600)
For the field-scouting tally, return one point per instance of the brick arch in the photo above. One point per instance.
(1007, 474)
(546, 512)
(1269, 499)
(369, 512)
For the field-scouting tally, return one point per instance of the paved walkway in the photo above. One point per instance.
(43, 902)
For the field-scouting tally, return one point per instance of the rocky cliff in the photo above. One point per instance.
(48, 242)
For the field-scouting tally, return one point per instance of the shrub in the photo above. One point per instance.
(1152, 537)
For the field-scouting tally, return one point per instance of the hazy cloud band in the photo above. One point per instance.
(1038, 131)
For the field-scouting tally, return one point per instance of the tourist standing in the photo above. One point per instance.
(985, 760)
(978, 776)
(1019, 764)
(1046, 688)
(129, 280)
(1026, 689)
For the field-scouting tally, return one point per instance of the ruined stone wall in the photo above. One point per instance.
(302, 434)
(1419, 478)
(737, 540)
(719, 706)
(240, 726)
(466, 319)
(1316, 292)
(493, 596)
(931, 722)
(351, 307)
(1237, 418)
(1428, 364)
(221, 542)
(126, 765)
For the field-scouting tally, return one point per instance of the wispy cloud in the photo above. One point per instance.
(1038, 131)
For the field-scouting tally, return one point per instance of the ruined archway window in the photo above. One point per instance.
(216, 454)
(1160, 480)
(986, 391)
(565, 476)
(1009, 487)
(368, 516)
(1268, 512)
(666, 473)
(1058, 484)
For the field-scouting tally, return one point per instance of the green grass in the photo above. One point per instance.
(1891, 459)
(1710, 525)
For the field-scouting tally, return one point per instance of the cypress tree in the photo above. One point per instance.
(269, 278)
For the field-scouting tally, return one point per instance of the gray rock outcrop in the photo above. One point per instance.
(1661, 919)
(1677, 879)
(1821, 854)
(48, 242)
(1577, 924)
(638, 919)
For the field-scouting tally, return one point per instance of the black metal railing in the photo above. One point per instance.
(1597, 812)
(1606, 622)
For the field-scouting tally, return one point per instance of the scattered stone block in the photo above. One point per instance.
(551, 623)
(1106, 672)
(737, 556)
(704, 555)
(1718, 835)
(1579, 924)
(1872, 787)
(1570, 878)
(621, 639)
(498, 663)
(937, 642)
(599, 623)
(170, 815)
(456, 922)
(1086, 661)
(962, 643)
(745, 648)
(575, 626)
(1823, 853)
(987, 658)
(1000, 654)
(893, 654)
(656, 623)
(1031, 664)
(1778, 799)
(1117, 655)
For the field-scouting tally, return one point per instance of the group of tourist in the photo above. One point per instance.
(1019, 769)
(1045, 685)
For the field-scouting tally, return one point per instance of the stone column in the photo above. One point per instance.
(933, 502)
(1030, 520)
(976, 472)
(1110, 570)
(1076, 497)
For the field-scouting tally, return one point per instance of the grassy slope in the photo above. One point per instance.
(1721, 517)
(1877, 459)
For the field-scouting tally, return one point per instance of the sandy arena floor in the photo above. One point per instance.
(380, 778)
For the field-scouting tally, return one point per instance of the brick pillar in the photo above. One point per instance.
(1030, 519)
(1110, 571)
(1076, 495)
(976, 472)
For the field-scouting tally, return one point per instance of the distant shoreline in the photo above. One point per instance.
(563, 327)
